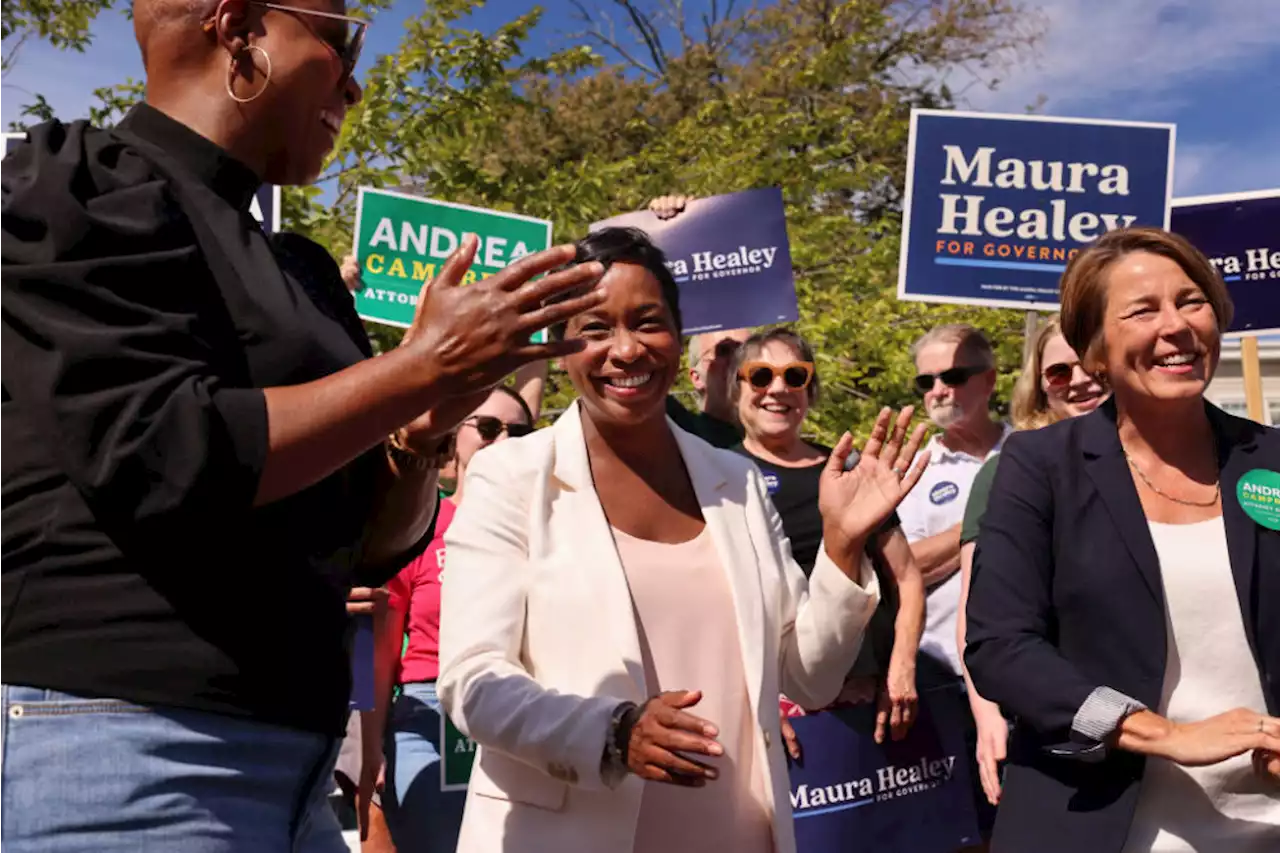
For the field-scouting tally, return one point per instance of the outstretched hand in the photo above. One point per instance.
(855, 503)
(473, 337)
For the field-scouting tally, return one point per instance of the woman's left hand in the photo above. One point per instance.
(1266, 764)
(855, 503)
(898, 702)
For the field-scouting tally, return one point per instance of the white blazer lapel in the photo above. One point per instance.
(723, 504)
(595, 546)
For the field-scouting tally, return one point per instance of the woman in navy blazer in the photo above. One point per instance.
(1125, 610)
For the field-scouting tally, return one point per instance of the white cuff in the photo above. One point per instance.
(1102, 713)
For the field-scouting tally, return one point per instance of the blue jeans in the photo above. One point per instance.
(102, 775)
(421, 817)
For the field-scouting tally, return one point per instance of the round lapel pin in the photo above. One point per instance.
(1259, 495)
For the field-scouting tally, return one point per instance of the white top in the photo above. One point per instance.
(1223, 808)
(936, 503)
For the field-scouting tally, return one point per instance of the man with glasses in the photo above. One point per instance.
(956, 376)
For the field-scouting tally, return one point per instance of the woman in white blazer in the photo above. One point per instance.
(621, 609)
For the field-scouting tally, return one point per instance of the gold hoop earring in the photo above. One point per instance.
(231, 74)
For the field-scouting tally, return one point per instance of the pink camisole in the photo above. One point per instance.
(688, 633)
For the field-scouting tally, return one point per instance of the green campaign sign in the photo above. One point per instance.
(457, 754)
(1259, 494)
(401, 241)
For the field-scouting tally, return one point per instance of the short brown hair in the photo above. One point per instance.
(754, 345)
(1084, 284)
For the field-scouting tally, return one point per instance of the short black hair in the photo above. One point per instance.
(612, 246)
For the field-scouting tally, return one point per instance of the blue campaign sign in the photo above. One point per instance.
(1240, 235)
(996, 205)
(731, 257)
(909, 796)
(266, 207)
(362, 655)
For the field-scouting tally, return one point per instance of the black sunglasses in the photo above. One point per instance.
(348, 51)
(490, 427)
(1059, 374)
(952, 377)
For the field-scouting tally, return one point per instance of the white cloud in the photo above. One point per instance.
(1190, 166)
(1100, 50)
(1220, 167)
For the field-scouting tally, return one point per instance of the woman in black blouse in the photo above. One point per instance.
(196, 454)
(777, 382)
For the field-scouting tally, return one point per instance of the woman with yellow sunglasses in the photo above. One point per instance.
(777, 383)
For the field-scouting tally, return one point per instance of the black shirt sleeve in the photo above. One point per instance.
(116, 342)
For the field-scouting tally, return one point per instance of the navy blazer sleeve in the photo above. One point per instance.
(1009, 649)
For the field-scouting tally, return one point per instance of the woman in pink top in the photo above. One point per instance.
(420, 816)
(623, 610)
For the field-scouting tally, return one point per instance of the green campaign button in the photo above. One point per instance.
(1259, 494)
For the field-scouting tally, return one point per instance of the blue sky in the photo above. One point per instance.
(1210, 66)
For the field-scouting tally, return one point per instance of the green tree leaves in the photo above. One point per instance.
(811, 95)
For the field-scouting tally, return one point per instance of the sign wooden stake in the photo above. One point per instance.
(1251, 366)
(1030, 323)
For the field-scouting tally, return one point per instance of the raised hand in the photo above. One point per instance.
(669, 206)
(351, 274)
(473, 337)
(855, 503)
(665, 734)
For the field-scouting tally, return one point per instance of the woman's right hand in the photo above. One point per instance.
(1216, 739)
(472, 337)
(665, 729)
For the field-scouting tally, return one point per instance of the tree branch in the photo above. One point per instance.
(596, 33)
(652, 40)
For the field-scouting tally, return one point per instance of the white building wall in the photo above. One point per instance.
(1227, 388)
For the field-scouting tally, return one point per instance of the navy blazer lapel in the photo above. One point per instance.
(1107, 467)
(1235, 459)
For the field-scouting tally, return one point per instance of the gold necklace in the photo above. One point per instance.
(1217, 486)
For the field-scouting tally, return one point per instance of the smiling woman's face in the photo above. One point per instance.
(777, 411)
(1160, 331)
(300, 110)
(632, 352)
(1078, 395)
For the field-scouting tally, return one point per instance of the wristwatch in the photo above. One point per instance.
(408, 459)
(617, 743)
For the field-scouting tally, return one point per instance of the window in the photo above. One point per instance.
(1234, 407)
